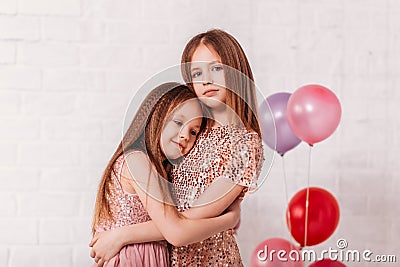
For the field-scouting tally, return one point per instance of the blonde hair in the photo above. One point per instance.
(144, 134)
(241, 96)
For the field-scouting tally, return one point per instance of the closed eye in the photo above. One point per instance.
(179, 123)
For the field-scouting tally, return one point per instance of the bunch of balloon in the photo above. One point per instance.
(313, 113)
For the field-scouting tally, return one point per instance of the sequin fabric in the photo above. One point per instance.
(228, 151)
(126, 209)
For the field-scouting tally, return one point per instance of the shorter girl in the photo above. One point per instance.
(164, 128)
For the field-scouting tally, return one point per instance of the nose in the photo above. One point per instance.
(207, 79)
(184, 133)
(207, 82)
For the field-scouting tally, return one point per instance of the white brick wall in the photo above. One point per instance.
(69, 68)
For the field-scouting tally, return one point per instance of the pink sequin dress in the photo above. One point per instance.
(228, 151)
(128, 209)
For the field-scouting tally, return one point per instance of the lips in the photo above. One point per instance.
(181, 147)
(210, 92)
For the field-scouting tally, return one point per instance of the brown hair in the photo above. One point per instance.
(144, 134)
(241, 93)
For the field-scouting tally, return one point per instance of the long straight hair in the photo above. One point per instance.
(241, 93)
(144, 134)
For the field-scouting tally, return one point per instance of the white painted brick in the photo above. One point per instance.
(43, 256)
(21, 129)
(64, 231)
(48, 154)
(170, 59)
(48, 205)
(92, 30)
(8, 205)
(280, 57)
(274, 13)
(8, 6)
(49, 104)
(111, 57)
(68, 180)
(7, 53)
(80, 256)
(87, 203)
(113, 131)
(104, 105)
(100, 153)
(357, 179)
(19, 28)
(49, 55)
(61, 29)
(10, 103)
(4, 255)
(354, 204)
(73, 80)
(20, 78)
(18, 180)
(127, 82)
(143, 33)
(112, 9)
(378, 205)
(8, 155)
(18, 231)
(48, 7)
(31, 256)
(73, 30)
(71, 129)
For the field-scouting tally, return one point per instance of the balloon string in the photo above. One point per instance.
(286, 194)
(307, 196)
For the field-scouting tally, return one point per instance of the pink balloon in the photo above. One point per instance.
(276, 252)
(327, 263)
(313, 113)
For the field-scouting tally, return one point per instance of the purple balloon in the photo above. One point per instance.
(277, 121)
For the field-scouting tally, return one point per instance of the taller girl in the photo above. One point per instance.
(215, 67)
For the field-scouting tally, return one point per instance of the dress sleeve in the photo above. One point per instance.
(244, 162)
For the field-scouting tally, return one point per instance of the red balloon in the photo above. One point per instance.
(322, 220)
(276, 252)
(313, 113)
(327, 263)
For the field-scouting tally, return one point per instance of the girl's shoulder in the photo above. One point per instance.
(136, 165)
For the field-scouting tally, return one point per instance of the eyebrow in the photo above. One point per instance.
(209, 63)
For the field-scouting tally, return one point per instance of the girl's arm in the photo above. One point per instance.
(107, 244)
(176, 229)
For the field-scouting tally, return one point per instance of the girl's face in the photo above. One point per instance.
(181, 129)
(208, 77)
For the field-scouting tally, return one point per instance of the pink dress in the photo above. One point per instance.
(230, 152)
(128, 209)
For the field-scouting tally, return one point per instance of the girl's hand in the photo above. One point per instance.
(105, 245)
(234, 209)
